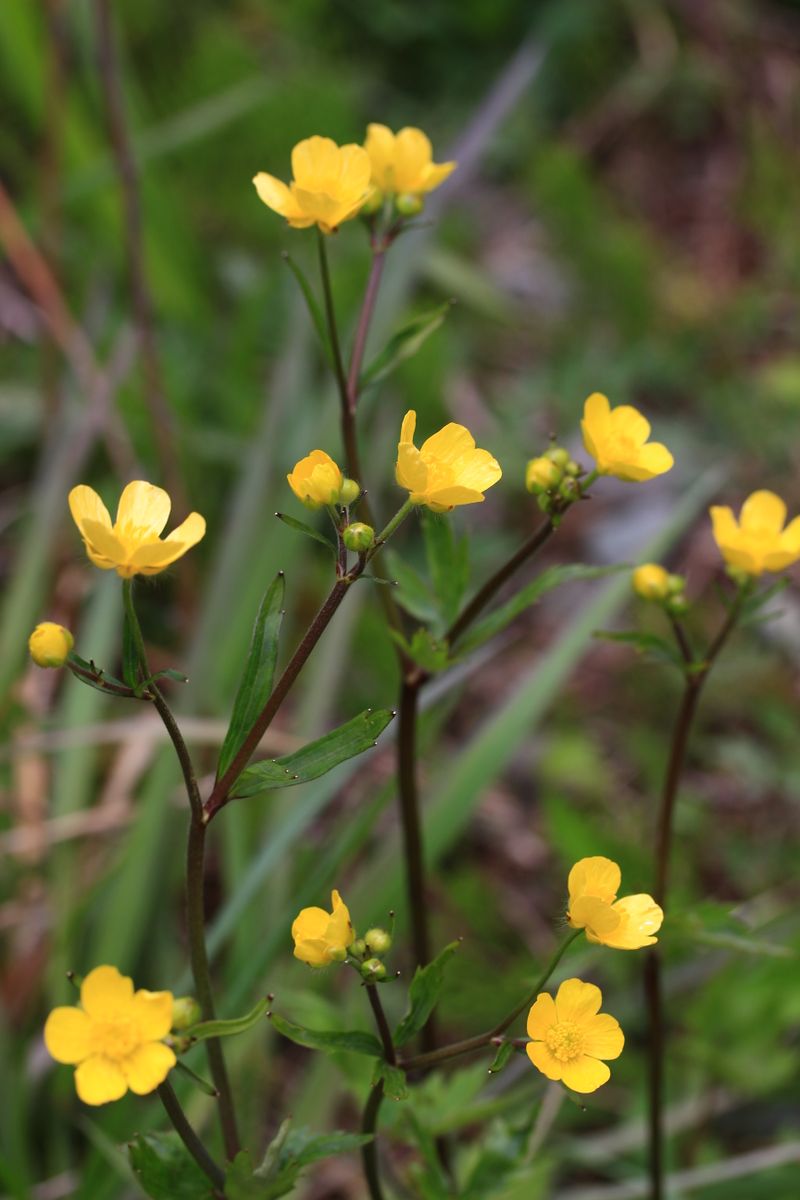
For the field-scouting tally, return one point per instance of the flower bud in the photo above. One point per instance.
(569, 489)
(572, 468)
(675, 584)
(378, 941)
(372, 204)
(373, 970)
(358, 948)
(337, 953)
(350, 491)
(409, 205)
(541, 474)
(358, 537)
(185, 1012)
(558, 455)
(651, 582)
(50, 644)
(677, 606)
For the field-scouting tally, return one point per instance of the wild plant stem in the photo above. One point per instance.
(381, 1023)
(189, 1138)
(369, 1152)
(347, 415)
(362, 329)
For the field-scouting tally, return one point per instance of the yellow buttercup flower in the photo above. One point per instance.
(402, 163)
(616, 438)
(570, 1037)
(651, 581)
(320, 937)
(50, 644)
(447, 471)
(132, 545)
(626, 924)
(758, 542)
(330, 185)
(114, 1037)
(316, 480)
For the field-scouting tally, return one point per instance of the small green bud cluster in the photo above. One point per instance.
(366, 950)
(554, 478)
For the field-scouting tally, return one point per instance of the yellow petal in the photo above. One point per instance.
(106, 995)
(309, 924)
(105, 544)
(790, 538)
(544, 1061)
(654, 459)
(85, 504)
(143, 510)
(596, 411)
(152, 1012)
(379, 145)
(354, 170)
(410, 471)
(314, 952)
(595, 876)
(435, 174)
(541, 1016)
(153, 557)
(98, 1080)
(147, 1067)
(723, 524)
(315, 162)
(603, 1037)
(446, 498)
(628, 422)
(409, 426)
(450, 444)
(276, 195)
(66, 1034)
(585, 1074)
(640, 919)
(412, 153)
(597, 917)
(763, 513)
(576, 1000)
(340, 928)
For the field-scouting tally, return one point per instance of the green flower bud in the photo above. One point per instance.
(541, 474)
(373, 970)
(185, 1012)
(569, 489)
(378, 941)
(678, 605)
(675, 584)
(358, 536)
(50, 644)
(409, 205)
(373, 203)
(558, 455)
(572, 468)
(350, 491)
(358, 948)
(337, 953)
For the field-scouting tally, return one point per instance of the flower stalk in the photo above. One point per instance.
(191, 1141)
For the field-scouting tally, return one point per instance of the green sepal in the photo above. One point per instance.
(423, 994)
(330, 1041)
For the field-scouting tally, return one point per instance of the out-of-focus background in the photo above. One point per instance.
(625, 219)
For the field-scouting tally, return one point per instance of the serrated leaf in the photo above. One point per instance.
(331, 1041)
(315, 312)
(394, 1080)
(553, 577)
(502, 1056)
(404, 344)
(423, 995)
(649, 644)
(259, 672)
(228, 1028)
(165, 1170)
(448, 563)
(317, 758)
(301, 527)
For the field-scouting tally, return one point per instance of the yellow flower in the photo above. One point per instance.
(626, 924)
(402, 163)
(570, 1036)
(114, 1037)
(316, 480)
(321, 938)
(447, 471)
(330, 185)
(50, 644)
(616, 438)
(759, 541)
(132, 546)
(651, 582)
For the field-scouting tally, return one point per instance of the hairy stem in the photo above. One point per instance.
(189, 1138)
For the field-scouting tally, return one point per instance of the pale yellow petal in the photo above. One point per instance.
(544, 1061)
(85, 504)
(152, 1012)
(640, 919)
(105, 544)
(628, 422)
(763, 513)
(147, 1067)
(98, 1080)
(723, 525)
(309, 924)
(595, 876)
(448, 445)
(143, 510)
(67, 1035)
(409, 426)
(541, 1016)
(603, 1037)
(276, 195)
(585, 1074)
(315, 952)
(445, 498)
(410, 471)
(577, 1000)
(153, 557)
(107, 995)
(435, 174)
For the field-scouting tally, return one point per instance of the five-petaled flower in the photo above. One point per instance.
(132, 545)
(402, 163)
(320, 937)
(50, 644)
(114, 1038)
(616, 438)
(330, 185)
(626, 924)
(758, 542)
(316, 480)
(570, 1037)
(447, 470)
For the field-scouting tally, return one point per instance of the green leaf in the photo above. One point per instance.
(288, 1153)
(168, 673)
(303, 1147)
(164, 1168)
(317, 758)
(331, 1041)
(259, 672)
(394, 1080)
(243, 1183)
(413, 593)
(103, 677)
(448, 563)
(423, 994)
(656, 648)
(424, 649)
(222, 1028)
(551, 578)
(504, 1052)
(314, 309)
(301, 527)
(404, 344)
(751, 607)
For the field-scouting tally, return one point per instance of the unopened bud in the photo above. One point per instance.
(541, 474)
(349, 492)
(409, 205)
(678, 605)
(358, 537)
(572, 468)
(185, 1012)
(675, 584)
(651, 582)
(337, 953)
(373, 970)
(558, 455)
(569, 489)
(50, 644)
(373, 203)
(378, 941)
(358, 948)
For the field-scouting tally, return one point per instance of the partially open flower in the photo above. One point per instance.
(651, 581)
(316, 480)
(758, 542)
(402, 164)
(50, 644)
(320, 937)
(330, 185)
(626, 924)
(133, 544)
(616, 438)
(570, 1037)
(447, 470)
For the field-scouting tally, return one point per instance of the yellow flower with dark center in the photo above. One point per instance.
(132, 545)
(758, 542)
(651, 581)
(616, 438)
(114, 1038)
(626, 924)
(50, 644)
(316, 480)
(447, 470)
(570, 1037)
(330, 185)
(320, 937)
(402, 163)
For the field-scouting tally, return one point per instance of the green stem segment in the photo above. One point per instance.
(189, 1138)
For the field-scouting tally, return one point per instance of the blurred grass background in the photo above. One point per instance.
(625, 220)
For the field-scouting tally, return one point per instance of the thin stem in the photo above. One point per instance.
(369, 1152)
(391, 527)
(408, 793)
(362, 329)
(189, 1138)
(381, 1022)
(96, 678)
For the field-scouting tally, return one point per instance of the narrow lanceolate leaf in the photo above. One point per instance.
(101, 680)
(165, 1170)
(220, 1028)
(259, 672)
(394, 1080)
(317, 758)
(404, 344)
(423, 995)
(500, 1059)
(551, 578)
(315, 312)
(301, 527)
(331, 1041)
(648, 644)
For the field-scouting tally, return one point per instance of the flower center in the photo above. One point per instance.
(564, 1041)
(115, 1039)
